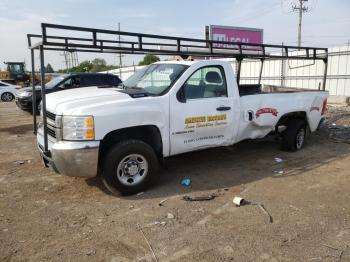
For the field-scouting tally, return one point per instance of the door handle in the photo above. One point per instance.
(250, 115)
(223, 108)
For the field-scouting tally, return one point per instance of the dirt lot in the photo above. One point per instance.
(48, 217)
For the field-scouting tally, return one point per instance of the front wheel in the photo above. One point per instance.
(7, 97)
(293, 138)
(129, 167)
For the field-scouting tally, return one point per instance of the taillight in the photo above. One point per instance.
(324, 106)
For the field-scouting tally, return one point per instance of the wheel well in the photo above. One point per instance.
(149, 134)
(284, 120)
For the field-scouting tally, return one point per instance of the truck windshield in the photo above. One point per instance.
(156, 78)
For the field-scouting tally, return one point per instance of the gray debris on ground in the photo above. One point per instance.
(337, 124)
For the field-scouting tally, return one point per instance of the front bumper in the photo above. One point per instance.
(79, 159)
(24, 103)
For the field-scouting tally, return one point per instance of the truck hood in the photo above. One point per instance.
(74, 101)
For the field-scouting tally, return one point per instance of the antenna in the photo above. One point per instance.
(301, 9)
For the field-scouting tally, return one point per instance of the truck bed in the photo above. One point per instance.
(253, 89)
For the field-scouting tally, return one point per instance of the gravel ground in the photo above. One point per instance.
(49, 217)
(338, 124)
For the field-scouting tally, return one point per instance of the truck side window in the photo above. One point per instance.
(206, 82)
(66, 84)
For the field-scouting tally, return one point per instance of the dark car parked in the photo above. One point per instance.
(24, 97)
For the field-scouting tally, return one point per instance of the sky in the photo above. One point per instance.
(326, 24)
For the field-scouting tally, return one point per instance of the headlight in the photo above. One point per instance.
(25, 93)
(78, 128)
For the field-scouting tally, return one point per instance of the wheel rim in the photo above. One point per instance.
(132, 169)
(300, 138)
(7, 97)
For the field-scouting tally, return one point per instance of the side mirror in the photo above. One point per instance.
(181, 95)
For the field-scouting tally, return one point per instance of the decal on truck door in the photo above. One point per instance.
(205, 121)
(267, 110)
(202, 139)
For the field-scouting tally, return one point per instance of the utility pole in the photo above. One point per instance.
(120, 55)
(301, 9)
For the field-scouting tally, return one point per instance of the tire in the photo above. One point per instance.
(129, 167)
(293, 138)
(7, 97)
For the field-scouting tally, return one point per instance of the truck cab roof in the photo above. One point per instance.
(182, 62)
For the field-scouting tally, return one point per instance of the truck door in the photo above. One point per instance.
(201, 113)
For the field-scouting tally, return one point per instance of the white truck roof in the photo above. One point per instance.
(181, 62)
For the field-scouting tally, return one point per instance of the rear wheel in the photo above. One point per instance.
(129, 167)
(7, 97)
(293, 138)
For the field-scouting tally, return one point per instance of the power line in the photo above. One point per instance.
(300, 9)
(259, 13)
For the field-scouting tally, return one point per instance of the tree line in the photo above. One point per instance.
(98, 65)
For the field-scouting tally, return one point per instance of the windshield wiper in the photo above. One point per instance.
(135, 92)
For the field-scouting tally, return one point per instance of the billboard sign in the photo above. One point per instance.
(235, 34)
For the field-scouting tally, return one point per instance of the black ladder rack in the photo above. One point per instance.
(138, 43)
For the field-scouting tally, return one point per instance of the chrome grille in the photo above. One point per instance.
(51, 124)
(51, 132)
(51, 116)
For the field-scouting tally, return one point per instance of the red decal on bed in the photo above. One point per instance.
(261, 111)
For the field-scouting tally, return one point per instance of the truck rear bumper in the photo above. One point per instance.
(78, 159)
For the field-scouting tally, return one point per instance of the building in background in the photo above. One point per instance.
(302, 74)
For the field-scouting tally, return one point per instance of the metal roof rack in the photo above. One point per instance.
(101, 41)
(139, 43)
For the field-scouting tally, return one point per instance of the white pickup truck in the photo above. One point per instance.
(169, 108)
